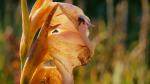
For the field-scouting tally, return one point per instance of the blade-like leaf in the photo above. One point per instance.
(25, 17)
(25, 30)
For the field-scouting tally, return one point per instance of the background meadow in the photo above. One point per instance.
(121, 37)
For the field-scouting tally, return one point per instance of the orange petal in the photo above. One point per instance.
(47, 75)
(37, 5)
(37, 17)
(38, 50)
(70, 45)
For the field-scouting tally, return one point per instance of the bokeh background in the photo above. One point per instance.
(120, 36)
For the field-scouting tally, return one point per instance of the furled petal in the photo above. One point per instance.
(38, 50)
(39, 13)
(37, 5)
(32, 23)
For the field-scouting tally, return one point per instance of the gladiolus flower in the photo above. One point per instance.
(61, 45)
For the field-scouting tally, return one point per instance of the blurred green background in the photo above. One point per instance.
(121, 37)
